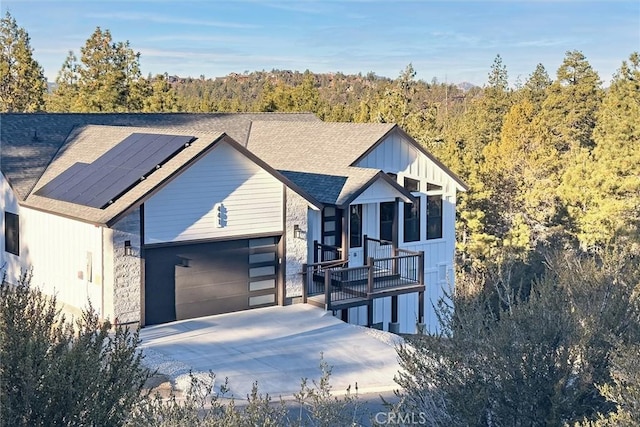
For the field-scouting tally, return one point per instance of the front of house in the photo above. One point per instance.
(161, 217)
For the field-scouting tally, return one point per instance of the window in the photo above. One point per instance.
(12, 233)
(387, 217)
(412, 212)
(355, 226)
(434, 217)
(433, 187)
(412, 221)
(412, 185)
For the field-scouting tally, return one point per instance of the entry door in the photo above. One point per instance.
(331, 231)
(356, 235)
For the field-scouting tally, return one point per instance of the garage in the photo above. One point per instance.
(188, 280)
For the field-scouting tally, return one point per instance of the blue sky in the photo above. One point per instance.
(452, 40)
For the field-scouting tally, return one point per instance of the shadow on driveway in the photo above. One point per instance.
(275, 346)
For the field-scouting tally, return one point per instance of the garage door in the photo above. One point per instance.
(193, 280)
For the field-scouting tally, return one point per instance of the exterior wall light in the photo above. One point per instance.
(297, 232)
(128, 251)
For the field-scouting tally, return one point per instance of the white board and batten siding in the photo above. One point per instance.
(378, 191)
(187, 208)
(8, 203)
(63, 255)
(398, 156)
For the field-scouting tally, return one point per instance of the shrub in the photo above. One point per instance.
(55, 372)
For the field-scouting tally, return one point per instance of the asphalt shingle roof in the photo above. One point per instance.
(28, 142)
(317, 155)
(87, 143)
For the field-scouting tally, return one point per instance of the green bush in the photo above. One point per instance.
(54, 372)
(533, 358)
(59, 373)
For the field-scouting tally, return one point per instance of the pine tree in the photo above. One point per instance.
(160, 96)
(107, 78)
(22, 81)
(569, 109)
(602, 188)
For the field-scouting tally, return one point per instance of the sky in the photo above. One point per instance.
(451, 41)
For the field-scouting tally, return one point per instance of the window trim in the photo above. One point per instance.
(415, 215)
(12, 233)
(393, 218)
(412, 185)
(438, 218)
(357, 238)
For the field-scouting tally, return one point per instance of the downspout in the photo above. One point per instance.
(102, 273)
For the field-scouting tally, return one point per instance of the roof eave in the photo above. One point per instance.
(222, 138)
(380, 175)
(460, 184)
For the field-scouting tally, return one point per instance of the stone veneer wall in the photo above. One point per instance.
(127, 288)
(296, 213)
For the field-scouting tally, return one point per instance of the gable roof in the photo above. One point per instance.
(321, 157)
(315, 159)
(86, 144)
(461, 185)
(29, 141)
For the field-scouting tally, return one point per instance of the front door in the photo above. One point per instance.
(331, 232)
(356, 235)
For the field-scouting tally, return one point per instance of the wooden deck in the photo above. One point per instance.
(333, 285)
(357, 299)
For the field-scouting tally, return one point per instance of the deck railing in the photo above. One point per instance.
(339, 283)
(322, 252)
(377, 248)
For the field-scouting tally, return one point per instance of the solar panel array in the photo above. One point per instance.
(100, 183)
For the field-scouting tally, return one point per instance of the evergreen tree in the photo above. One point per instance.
(22, 81)
(160, 95)
(107, 78)
(478, 127)
(535, 88)
(568, 115)
(602, 188)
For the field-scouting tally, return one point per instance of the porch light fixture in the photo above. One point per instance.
(185, 262)
(128, 251)
(297, 232)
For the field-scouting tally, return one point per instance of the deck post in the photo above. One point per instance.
(305, 277)
(421, 307)
(370, 314)
(421, 294)
(395, 260)
(370, 276)
(327, 289)
(315, 251)
(365, 246)
(394, 309)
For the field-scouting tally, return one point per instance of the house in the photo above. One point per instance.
(161, 217)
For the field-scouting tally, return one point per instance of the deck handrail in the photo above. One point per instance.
(391, 258)
(407, 251)
(320, 249)
(329, 264)
(381, 241)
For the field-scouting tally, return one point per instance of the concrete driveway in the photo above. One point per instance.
(275, 346)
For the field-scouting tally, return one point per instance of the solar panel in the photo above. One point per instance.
(104, 180)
